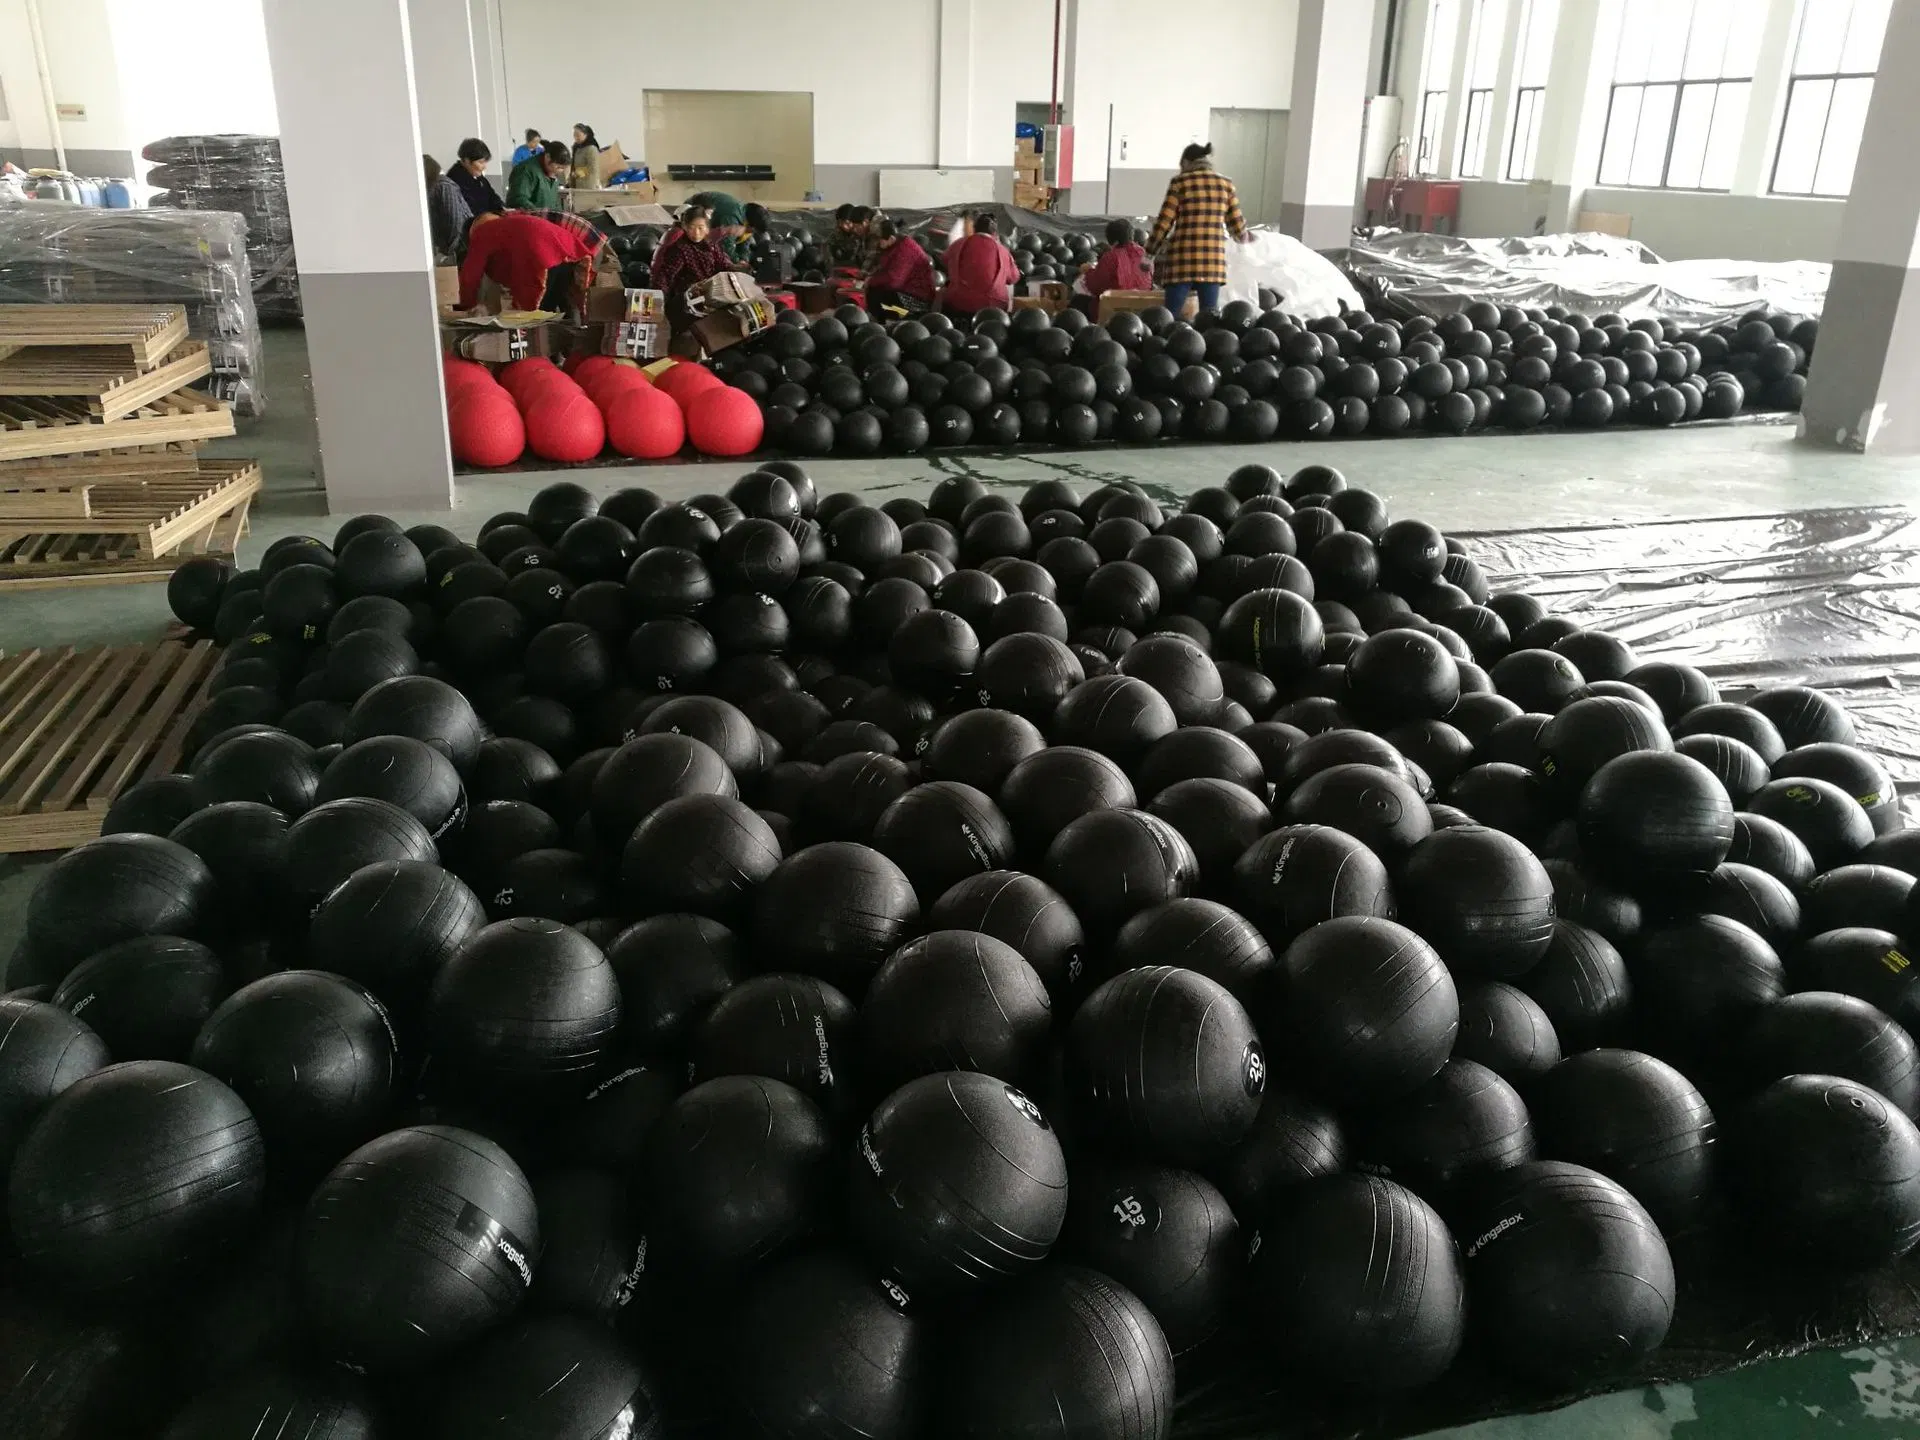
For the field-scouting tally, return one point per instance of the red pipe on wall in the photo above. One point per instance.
(1053, 101)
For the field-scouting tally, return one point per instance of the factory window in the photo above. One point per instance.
(1834, 61)
(1483, 72)
(1682, 78)
(1530, 95)
(1436, 71)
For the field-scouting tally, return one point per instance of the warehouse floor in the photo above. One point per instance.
(1486, 483)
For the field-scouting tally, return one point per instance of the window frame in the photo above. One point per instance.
(1833, 77)
(1471, 161)
(1533, 112)
(1680, 85)
(1432, 116)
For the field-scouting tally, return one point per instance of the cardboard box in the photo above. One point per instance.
(1053, 295)
(496, 344)
(1115, 302)
(612, 161)
(1031, 197)
(446, 286)
(713, 333)
(1604, 222)
(1026, 145)
(632, 324)
(815, 299)
(641, 192)
(1028, 167)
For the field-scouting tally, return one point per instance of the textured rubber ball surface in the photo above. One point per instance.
(414, 1244)
(138, 1169)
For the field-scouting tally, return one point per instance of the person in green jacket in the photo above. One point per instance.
(729, 222)
(536, 180)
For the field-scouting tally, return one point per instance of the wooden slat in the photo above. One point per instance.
(105, 378)
(153, 730)
(102, 739)
(42, 670)
(147, 334)
(32, 426)
(64, 470)
(84, 706)
(45, 500)
(26, 738)
(159, 514)
(90, 724)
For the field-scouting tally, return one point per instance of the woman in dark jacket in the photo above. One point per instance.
(689, 254)
(470, 174)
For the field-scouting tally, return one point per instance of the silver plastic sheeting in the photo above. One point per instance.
(1828, 598)
(1420, 274)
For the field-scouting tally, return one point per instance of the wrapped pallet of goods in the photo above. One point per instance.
(55, 254)
(243, 174)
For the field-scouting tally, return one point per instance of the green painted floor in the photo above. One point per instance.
(1481, 483)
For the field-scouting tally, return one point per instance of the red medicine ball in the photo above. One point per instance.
(485, 427)
(683, 382)
(565, 427)
(589, 366)
(518, 375)
(725, 421)
(609, 385)
(645, 424)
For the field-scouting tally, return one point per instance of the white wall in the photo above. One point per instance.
(80, 56)
(1178, 60)
(877, 103)
(223, 42)
(591, 60)
(1012, 62)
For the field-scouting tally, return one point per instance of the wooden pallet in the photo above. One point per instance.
(143, 334)
(102, 376)
(159, 513)
(78, 727)
(46, 494)
(32, 426)
(63, 472)
(56, 560)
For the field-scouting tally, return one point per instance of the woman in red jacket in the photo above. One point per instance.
(980, 271)
(538, 263)
(1123, 267)
(902, 280)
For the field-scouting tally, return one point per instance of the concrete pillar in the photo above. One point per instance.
(1493, 161)
(1447, 161)
(1328, 110)
(1863, 392)
(446, 81)
(954, 104)
(1767, 101)
(366, 269)
(1579, 84)
(490, 77)
(1087, 60)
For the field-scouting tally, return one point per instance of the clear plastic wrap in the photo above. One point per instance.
(63, 254)
(243, 174)
(1408, 273)
(1307, 283)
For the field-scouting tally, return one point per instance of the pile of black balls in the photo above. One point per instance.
(846, 384)
(773, 964)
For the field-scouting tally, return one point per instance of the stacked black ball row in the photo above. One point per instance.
(844, 384)
(959, 968)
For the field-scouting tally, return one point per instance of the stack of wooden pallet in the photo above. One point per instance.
(101, 481)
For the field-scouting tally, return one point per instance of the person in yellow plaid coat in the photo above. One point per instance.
(1189, 240)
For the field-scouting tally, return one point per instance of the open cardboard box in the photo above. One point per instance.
(1116, 302)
